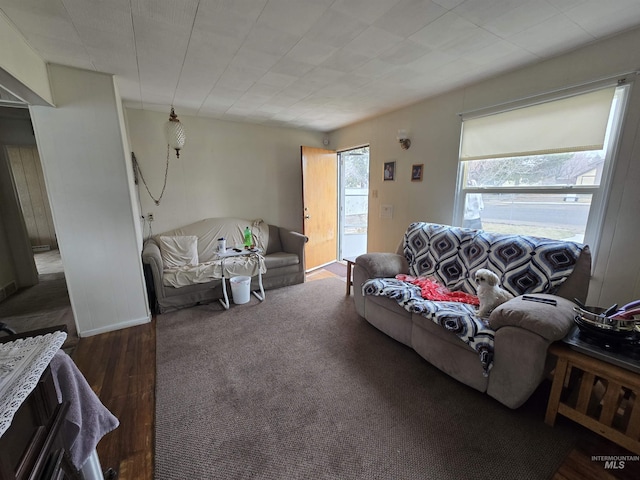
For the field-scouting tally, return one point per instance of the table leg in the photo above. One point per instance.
(556, 391)
(349, 281)
(261, 295)
(224, 301)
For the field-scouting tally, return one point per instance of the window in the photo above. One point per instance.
(541, 169)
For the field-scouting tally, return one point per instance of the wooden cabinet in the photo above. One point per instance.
(31, 448)
(32, 444)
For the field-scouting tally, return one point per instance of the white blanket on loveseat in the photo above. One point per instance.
(190, 253)
(205, 272)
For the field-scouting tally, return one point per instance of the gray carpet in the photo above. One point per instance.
(300, 387)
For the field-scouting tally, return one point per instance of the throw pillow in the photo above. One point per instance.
(179, 251)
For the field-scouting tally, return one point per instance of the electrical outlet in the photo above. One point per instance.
(150, 217)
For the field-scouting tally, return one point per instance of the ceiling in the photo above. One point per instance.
(316, 64)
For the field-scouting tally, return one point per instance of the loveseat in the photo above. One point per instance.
(282, 260)
(504, 355)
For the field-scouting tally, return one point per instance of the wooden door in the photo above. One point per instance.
(32, 195)
(320, 205)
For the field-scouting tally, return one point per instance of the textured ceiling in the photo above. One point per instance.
(317, 64)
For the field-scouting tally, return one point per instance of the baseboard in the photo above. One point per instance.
(114, 327)
(8, 290)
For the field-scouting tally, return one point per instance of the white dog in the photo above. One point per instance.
(489, 292)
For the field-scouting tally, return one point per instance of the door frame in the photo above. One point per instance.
(342, 195)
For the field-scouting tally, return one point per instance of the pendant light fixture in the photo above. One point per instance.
(174, 133)
(175, 136)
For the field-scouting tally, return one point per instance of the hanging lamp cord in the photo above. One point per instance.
(136, 167)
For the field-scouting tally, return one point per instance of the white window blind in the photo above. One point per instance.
(572, 124)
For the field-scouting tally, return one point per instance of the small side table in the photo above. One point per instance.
(600, 396)
(351, 261)
(232, 253)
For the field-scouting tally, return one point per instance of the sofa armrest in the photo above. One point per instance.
(151, 256)
(382, 265)
(519, 365)
(292, 242)
(552, 322)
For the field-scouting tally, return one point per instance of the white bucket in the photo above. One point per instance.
(240, 289)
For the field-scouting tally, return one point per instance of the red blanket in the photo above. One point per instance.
(432, 290)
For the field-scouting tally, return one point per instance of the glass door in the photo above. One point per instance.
(354, 201)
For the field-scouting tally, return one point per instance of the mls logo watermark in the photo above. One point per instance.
(615, 462)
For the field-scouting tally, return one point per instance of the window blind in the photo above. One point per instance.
(572, 124)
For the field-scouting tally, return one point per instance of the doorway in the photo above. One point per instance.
(28, 179)
(354, 201)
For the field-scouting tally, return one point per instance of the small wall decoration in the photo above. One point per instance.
(416, 172)
(389, 171)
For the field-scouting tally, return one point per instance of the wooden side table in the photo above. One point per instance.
(351, 261)
(600, 396)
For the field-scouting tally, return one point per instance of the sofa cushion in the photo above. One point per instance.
(178, 251)
(446, 352)
(455, 317)
(280, 259)
(384, 314)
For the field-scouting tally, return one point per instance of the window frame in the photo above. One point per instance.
(599, 193)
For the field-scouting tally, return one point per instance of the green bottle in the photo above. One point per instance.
(248, 240)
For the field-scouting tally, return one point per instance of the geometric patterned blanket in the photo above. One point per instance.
(456, 317)
(452, 255)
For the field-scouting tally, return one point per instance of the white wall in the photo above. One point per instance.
(133, 194)
(226, 169)
(82, 147)
(22, 71)
(434, 128)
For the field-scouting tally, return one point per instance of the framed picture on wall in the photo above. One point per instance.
(389, 171)
(416, 172)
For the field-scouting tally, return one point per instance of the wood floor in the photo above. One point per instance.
(120, 366)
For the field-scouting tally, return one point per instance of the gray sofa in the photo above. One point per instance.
(514, 340)
(283, 258)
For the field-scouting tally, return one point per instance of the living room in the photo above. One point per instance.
(250, 170)
(218, 166)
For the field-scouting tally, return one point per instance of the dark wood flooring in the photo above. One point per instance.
(120, 366)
